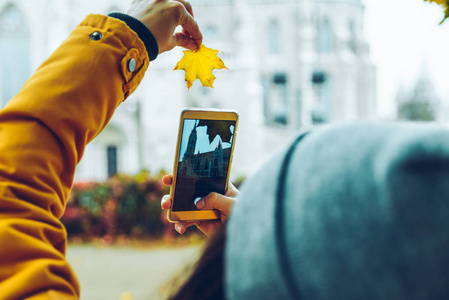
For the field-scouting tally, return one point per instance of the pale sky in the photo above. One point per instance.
(202, 144)
(405, 38)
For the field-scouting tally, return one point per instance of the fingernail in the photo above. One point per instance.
(178, 228)
(167, 203)
(200, 204)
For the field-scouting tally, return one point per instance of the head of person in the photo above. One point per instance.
(355, 211)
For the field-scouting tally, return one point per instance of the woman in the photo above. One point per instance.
(45, 128)
(354, 211)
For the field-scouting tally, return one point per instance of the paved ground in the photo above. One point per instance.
(108, 273)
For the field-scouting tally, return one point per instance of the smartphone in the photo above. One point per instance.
(203, 161)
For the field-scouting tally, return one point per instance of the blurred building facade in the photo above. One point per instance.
(292, 64)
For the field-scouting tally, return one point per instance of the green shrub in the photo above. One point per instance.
(122, 205)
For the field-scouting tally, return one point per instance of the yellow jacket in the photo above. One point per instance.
(43, 133)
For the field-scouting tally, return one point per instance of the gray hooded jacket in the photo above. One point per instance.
(355, 211)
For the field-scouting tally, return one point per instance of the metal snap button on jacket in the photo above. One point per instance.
(132, 65)
(96, 36)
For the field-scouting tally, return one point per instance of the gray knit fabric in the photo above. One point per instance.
(366, 217)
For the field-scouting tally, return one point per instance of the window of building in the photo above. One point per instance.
(325, 38)
(321, 107)
(273, 38)
(197, 165)
(280, 99)
(276, 100)
(15, 52)
(112, 160)
(352, 37)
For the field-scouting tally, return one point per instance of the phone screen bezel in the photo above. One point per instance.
(200, 114)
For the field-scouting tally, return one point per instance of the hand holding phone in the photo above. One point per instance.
(222, 203)
(203, 161)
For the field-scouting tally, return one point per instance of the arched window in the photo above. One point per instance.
(273, 37)
(325, 38)
(14, 52)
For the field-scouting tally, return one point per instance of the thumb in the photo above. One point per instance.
(183, 40)
(216, 201)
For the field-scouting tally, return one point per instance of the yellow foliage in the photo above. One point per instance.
(440, 2)
(445, 4)
(126, 296)
(199, 65)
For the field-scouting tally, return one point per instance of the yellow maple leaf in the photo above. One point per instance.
(199, 65)
(444, 4)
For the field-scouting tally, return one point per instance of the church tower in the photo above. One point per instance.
(217, 164)
(190, 151)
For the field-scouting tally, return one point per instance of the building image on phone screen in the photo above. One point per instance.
(203, 160)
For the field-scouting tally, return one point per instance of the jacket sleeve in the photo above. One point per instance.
(43, 133)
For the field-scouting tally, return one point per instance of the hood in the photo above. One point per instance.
(356, 211)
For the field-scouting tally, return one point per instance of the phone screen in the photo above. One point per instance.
(203, 161)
